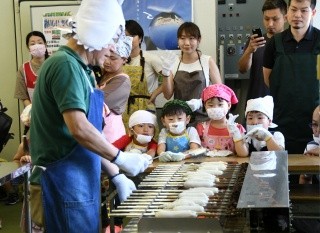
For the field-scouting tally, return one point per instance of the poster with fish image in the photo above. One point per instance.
(160, 20)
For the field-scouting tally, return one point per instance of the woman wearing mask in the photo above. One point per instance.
(27, 73)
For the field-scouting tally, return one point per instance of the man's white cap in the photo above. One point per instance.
(262, 104)
(97, 22)
(142, 117)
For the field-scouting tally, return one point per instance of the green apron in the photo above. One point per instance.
(295, 90)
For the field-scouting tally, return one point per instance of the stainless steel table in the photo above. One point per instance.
(11, 170)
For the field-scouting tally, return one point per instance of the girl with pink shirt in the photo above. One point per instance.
(220, 133)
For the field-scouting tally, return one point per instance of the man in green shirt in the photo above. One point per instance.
(66, 124)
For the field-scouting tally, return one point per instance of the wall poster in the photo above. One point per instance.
(160, 20)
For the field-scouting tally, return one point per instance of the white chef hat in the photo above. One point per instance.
(97, 22)
(142, 117)
(123, 47)
(261, 104)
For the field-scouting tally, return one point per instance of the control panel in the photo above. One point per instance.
(235, 19)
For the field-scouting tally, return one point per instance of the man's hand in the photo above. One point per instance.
(124, 186)
(131, 163)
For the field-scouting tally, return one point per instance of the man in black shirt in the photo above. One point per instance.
(289, 69)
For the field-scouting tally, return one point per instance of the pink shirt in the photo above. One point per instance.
(216, 138)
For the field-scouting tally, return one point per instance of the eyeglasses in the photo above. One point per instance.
(313, 125)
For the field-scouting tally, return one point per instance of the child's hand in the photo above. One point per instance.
(261, 134)
(165, 157)
(175, 157)
(233, 129)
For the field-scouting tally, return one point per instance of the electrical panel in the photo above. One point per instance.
(235, 19)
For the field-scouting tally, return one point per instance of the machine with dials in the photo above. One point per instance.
(235, 21)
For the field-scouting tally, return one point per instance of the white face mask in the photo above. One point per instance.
(250, 127)
(177, 127)
(143, 139)
(38, 50)
(316, 139)
(216, 113)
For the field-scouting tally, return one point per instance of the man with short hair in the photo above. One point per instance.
(274, 12)
(289, 69)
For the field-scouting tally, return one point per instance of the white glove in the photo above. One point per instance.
(167, 62)
(194, 104)
(131, 163)
(165, 157)
(26, 115)
(124, 186)
(233, 129)
(260, 134)
(149, 157)
(175, 157)
(136, 151)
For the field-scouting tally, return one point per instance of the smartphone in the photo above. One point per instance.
(257, 31)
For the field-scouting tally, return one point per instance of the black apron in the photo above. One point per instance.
(295, 90)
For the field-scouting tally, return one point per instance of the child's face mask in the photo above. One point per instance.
(143, 139)
(177, 127)
(216, 113)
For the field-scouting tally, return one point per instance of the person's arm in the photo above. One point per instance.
(21, 91)
(266, 76)
(161, 148)
(154, 94)
(168, 86)
(245, 61)
(214, 72)
(276, 142)
(268, 60)
(313, 152)
(87, 135)
(241, 148)
(194, 145)
(272, 145)
(109, 168)
(240, 145)
(152, 148)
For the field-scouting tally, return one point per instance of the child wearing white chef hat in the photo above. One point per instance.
(259, 115)
(142, 126)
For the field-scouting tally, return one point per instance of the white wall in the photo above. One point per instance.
(316, 19)
(8, 72)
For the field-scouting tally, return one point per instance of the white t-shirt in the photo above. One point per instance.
(191, 132)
